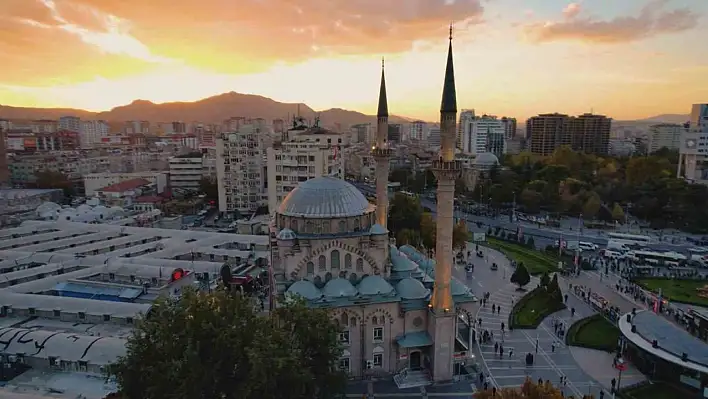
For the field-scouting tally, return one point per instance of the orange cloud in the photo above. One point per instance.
(652, 20)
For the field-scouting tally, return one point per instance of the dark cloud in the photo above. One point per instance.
(652, 20)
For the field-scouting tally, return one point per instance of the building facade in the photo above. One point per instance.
(92, 133)
(240, 169)
(586, 133)
(70, 123)
(95, 181)
(186, 171)
(665, 135)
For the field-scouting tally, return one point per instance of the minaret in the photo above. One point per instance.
(446, 170)
(382, 154)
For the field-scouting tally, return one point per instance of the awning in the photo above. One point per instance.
(414, 340)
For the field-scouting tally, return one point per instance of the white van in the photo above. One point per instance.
(587, 246)
(617, 246)
(612, 254)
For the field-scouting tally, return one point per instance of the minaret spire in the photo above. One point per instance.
(449, 96)
(381, 153)
(383, 100)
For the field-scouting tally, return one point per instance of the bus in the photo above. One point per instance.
(671, 259)
(630, 239)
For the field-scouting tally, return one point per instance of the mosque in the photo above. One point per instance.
(401, 313)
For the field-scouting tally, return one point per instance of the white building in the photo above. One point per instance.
(240, 174)
(466, 116)
(186, 171)
(665, 135)
(434, 137)
(418, 130)
(92, 132)
(95, 181)
(70, 123)
(693, 149)
(483, 134)
(306, 154)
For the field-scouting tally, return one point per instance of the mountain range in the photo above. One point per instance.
(214, 109)
(218, 108)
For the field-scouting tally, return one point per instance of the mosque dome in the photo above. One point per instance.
(48, 207)
(325, 197)
(400, 262)
(286, 234)
(486, 159)
(339, 288)
(374, 285)
(304, 289)
(378, 229)
(410, 288)
(457, 288)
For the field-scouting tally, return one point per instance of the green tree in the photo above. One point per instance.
(50, 179)
(592, 206)
(226, 276)
(521, 275)
(554, 290)
(617, 213)
(545, 280)
(530, 242)
(428, 230)
(209, 188)
(409, 237)
(215, 346)
(460, 235)
(531, 200)
(404, 213)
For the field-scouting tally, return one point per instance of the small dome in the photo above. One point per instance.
(304, 289)
(400, 262)
(410, 288)
(374, 285)
(100, 209)
(116, 210)
(457, 288)
(84, 208)
(378, 229)
(48, 207)
(486, 159)
(325, 197)
(286, 234)
(339, 288)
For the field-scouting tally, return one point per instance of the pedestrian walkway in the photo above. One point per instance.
(553, 361)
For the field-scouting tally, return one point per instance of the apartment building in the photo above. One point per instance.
(587, 133)
(186, 171)
(308, 153)
(665, 135)
(466, 116)
(240, 169)
(418, 131)
(395, 133)
(509, 127)
(693, 149)
(363, 133)
(481, 134)
(70, 123)
(92, 133)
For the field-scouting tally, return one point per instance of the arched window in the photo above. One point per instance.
(360, 265)
(293, 225)
(334, 262)
(352, 322)
(348, 261)
(322, 263)
(342, 226)
(374, 321)
(310, 268)
(345, 320)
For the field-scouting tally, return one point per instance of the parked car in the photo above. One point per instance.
(469, 268)
(480, 254)
(494, 266)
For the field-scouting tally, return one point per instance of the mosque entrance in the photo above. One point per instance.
(414, 362)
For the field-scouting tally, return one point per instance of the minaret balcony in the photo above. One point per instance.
(377, 152)
(450, 170)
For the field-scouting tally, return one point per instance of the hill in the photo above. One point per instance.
(209, 110)
(667, 118)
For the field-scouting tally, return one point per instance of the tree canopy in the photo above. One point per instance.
(521, 275)
(216, 346)
(52, 179)
(529, 390)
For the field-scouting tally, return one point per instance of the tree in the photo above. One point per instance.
(215, 346)
(428, 230)
(592, 206)
(530, 242)
(209, 188)
(460, 235)
(404, 213)
(226, 275)
(545, 280)
(531, 200)
(521, 276)
(617, 213)
(529, 390)
(50, 179)
(554, 290)
(409, 237)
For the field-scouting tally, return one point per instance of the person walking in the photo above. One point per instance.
(502, 326)
(493, 307)
(553, 347)
(501, 351)
(511, 352)
(496, 347)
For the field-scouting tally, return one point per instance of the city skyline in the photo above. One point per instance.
(515, 58)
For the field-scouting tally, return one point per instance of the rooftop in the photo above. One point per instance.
(124, 186)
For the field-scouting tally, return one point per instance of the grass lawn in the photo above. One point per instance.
(593, 332)
(677, 290)
(535, 261)
(532, 308)
(657, 390)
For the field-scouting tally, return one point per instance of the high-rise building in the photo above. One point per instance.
(70, 123)
(395, 132)
(4, 168)
(693, 144)
(665, 135)
(307, 153)
(699, 118)
(418, 131)
(92, 132)
(186, 172)
(482, 134)
(363, 133)
(466, 116)
(240, 169)
(509, 127)
(586, 133)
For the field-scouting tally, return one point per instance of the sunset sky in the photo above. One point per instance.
(624, 58)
